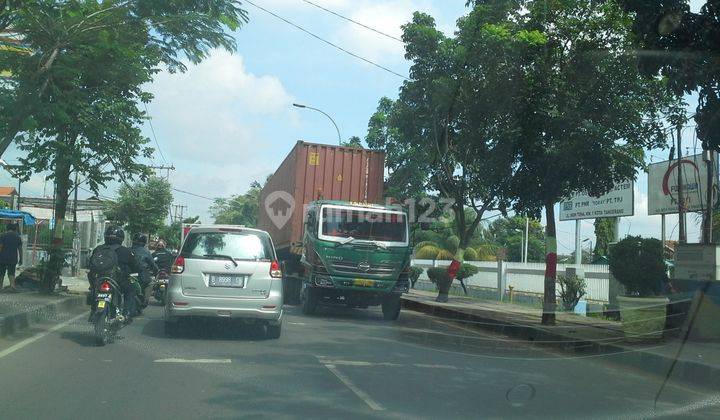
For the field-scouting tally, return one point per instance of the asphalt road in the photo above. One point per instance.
(339, 364)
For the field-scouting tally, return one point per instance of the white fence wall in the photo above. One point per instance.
(529, 277)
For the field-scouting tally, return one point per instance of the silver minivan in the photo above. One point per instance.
(226, 271)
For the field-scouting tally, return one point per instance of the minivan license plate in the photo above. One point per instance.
(226, 281)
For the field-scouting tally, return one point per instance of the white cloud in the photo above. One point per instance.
(212, 123)
(386, 17)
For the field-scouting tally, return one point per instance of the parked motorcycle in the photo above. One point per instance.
(160, 286)
(109, 315)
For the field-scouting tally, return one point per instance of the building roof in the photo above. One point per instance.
(7, 191)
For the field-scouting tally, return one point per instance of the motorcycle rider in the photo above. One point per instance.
(145, 260)
(163, 257)
(126, 262)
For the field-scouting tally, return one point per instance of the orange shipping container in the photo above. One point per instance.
(317, 171)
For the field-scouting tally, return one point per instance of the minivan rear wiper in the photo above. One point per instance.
(225, 257)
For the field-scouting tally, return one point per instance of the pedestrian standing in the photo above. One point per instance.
(10, 254)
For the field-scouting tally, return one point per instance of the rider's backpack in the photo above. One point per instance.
(104, 260)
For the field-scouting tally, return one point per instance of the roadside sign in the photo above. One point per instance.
(616, 203)
(663, 185)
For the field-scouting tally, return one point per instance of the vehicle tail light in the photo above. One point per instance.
(275, 271)
(178, 266)
(105, 286)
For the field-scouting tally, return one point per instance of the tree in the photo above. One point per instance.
(72, 104)
(238, 209)
(441, 136)
(171, 233)
(508, 233)
(142, 207)
(353, 141)
(683, 47)
(585, 115)
(604, 234)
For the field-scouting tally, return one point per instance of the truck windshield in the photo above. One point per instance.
(216, 245)
(368, 225)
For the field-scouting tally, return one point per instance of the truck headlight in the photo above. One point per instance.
(323, 281)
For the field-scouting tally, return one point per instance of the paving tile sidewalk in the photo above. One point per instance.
(20, 310)
(577, 334)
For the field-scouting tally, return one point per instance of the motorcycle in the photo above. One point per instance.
(109, 311)
(141, 302)
(160, 286)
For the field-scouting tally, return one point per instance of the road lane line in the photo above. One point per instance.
(17, 346)
(357, 391)
(174, 360)
(427, 366)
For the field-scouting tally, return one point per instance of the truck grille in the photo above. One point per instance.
(352, 268)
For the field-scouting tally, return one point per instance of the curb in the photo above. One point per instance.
(13, 323)
(686, 371)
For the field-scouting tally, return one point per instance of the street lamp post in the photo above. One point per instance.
(296, 105)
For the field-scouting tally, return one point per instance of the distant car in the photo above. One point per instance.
(226, 272)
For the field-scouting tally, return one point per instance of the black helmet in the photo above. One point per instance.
(114, 235)
(139, 238)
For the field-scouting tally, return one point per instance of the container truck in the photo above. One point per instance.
(336, 240)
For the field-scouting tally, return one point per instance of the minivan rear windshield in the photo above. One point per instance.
(238, 245)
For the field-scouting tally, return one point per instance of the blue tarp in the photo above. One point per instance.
(27, 218)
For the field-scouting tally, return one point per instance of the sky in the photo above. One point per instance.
(229, 120)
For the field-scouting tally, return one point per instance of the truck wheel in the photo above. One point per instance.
(309, 301)
(391, 308)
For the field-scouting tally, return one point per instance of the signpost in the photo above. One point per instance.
(617, 203)
(620, 201)
(663, 197)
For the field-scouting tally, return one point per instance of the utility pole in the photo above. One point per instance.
(709, 158)
(163, 168)
(681, 199)
(178, 213)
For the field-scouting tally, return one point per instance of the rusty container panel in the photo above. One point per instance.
(312, 172)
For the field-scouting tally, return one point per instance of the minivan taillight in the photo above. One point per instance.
(178, 266)
(275, 271)
(105, 287)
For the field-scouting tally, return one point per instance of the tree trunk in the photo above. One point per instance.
(549, 298)
(57, 257)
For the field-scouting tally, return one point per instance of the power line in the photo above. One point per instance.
(193, 194)
(327, 42)
(354, 21)
(152, 129)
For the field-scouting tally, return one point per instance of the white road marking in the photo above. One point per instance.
(174, 360)
(297, 323)
(422, 365)
(337, 362)
(357, 391)
(36, 337)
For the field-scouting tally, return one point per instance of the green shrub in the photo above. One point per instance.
(423, 244)
(638, 264)
(427, 252)
(415, 272)
(486, 252)
(439, 276)
(572, 289)
(444, 255)
(452, 243)
(470, 255)
(465, 271)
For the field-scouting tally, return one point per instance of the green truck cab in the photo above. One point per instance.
(354, 254)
